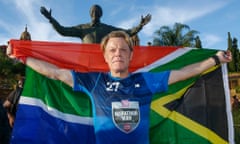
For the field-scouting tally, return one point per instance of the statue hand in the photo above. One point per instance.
(46, 13)
(145, 20)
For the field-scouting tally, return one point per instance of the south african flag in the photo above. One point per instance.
(194, 111)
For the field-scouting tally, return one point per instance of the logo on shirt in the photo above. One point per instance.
(126, 115)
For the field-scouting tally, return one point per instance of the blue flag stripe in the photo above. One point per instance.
(35, 126)
(54, 112)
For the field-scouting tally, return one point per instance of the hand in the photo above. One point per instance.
(9, 52)
(145, 20)
(46, 13)
(224, 56)
(11, 119)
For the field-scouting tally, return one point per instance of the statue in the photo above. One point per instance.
(91, 32)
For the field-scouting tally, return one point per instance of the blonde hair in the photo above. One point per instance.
(118, 34)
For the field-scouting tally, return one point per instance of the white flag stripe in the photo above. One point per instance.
(55, 113)
(228, 104)
(165, 59)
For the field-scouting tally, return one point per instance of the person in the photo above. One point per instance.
(10, 104)
(5, 129)
(121, 100)
(235, 103)
(91, 32)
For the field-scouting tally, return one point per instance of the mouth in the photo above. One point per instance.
(118, 61)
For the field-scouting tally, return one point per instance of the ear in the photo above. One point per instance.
(105, 58)
(131, 56)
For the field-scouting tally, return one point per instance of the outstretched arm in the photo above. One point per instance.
(62, 30)
(45, 68)
(197, 68)
(144, 20)
(50, 70)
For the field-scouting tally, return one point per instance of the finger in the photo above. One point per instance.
(9, 50)
(227, 55)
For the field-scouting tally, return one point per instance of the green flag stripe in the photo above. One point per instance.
(196, 128)
(192, 56)
(168, 58)
(162, 99)
(158, 106)
(56, 94)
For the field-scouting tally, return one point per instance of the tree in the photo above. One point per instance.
(198, 43)
(233, 66)
(10, 70)
(236, 54)
(179, 35)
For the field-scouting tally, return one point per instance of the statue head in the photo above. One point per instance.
(96, 13)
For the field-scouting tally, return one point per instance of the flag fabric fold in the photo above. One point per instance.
(196, 110)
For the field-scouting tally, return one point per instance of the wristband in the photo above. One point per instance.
(216, 59)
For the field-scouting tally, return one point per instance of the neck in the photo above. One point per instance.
(119, 74)
(95, 21)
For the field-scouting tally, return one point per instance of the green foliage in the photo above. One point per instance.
(237, 89)
(179, 35)
(198, 43)
(234, 65)
(236, 120)
(10, 70)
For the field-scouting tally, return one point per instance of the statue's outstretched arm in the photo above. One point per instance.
(65, 31)
(46, 13)
(145, 20)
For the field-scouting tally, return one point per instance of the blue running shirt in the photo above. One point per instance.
(121, 106)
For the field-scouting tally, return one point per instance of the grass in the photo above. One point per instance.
(236, 120)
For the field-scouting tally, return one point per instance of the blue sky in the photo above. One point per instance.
(212, 18)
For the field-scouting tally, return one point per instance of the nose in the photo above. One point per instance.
(117, 52)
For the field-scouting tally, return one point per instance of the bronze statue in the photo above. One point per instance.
(91, 32)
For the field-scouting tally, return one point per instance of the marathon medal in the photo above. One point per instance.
(126, 115)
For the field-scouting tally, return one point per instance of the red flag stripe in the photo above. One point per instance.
(84, 57)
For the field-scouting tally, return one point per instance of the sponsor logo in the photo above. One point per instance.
(126, 115)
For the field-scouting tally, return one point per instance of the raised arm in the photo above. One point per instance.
(45, 68)
(144, 20)
(46, 13)
(50, 70)
(62, 30)
(197, 68)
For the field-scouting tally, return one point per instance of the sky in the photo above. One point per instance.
(213, 19)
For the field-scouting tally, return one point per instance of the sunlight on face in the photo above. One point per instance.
(117, 55)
